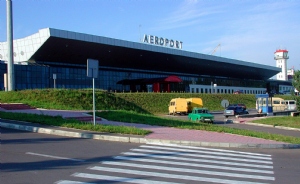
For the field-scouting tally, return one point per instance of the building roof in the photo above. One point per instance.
(53, 45)
(281, 50)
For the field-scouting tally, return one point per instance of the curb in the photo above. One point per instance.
(143, 140)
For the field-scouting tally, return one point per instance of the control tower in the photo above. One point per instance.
(281, 57)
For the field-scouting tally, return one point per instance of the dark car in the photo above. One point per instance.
(234, 110)
(239, 105)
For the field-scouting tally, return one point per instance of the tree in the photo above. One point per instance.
(296, 84)
(296, 80)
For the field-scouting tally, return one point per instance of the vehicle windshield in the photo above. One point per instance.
(231, 108)
(202, 111)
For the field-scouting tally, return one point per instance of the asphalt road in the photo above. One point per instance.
(29, 158)
(219, 120)
(39, 158)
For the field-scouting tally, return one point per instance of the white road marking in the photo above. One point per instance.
(71, 182)
(119, 179)
(192, 164)
(56, 157)
(202, 156)
(183, 177)
(208, 152)
(197, 171)
(198, 160)
(210, 149)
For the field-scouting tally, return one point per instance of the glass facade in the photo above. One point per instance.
(38, 76)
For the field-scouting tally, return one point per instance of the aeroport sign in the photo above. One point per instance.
(162, 41)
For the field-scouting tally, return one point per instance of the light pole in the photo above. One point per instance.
(215, 88)
(10, 59)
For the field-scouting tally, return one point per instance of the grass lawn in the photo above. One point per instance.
(133, 117)
(286, 121)
(72, 123)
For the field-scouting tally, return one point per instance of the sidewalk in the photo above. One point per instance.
(164, 135)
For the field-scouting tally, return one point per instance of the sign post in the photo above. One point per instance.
(225, 104)
(5, 82)
(54, 79)
(92, 71)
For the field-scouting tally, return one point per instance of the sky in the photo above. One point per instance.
(247, 30)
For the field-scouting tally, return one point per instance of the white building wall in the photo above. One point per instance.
(281, 62)
(195, 88)
(24, 48)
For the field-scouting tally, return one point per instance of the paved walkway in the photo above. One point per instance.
(169, 135)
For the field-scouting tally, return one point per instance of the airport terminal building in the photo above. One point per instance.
(58, 57)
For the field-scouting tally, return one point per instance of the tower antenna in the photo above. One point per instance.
(140, 32)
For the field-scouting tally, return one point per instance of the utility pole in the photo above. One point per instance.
(140, 32)
(10, 57)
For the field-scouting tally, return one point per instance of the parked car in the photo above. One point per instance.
(290, 105)
(238, 105)
(201, 114)
(238, 92)
(234, 110)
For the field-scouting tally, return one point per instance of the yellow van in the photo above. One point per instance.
(194, 102)
(178, 106)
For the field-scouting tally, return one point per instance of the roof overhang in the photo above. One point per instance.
(71, 47)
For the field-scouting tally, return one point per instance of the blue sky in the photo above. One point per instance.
(248, 30)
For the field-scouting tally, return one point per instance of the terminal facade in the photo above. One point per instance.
(128, 66)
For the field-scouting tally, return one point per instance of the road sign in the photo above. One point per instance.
(92, 71)
(224, 103)
(92, 68)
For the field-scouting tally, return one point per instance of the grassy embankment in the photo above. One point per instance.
(286, 121)
(72, 123)
(133, 117)
(138, 107)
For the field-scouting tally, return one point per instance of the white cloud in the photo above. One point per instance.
(188, 14)
(255, 34)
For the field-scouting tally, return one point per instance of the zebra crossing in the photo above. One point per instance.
(166, 164)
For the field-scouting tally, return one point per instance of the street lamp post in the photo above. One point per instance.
(10, 59)
(215, 88)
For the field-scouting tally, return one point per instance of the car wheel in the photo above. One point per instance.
(202, 119)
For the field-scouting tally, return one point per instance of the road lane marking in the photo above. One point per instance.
(173, 176)
(210, 149)
(56, 157)
(202, 156)
(197, 160)
(192, 164)
(71, 182)
(208, 152)
(119, 179)
(197, 171)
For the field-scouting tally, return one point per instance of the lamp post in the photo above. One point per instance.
(10, 60)
(215, 88)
